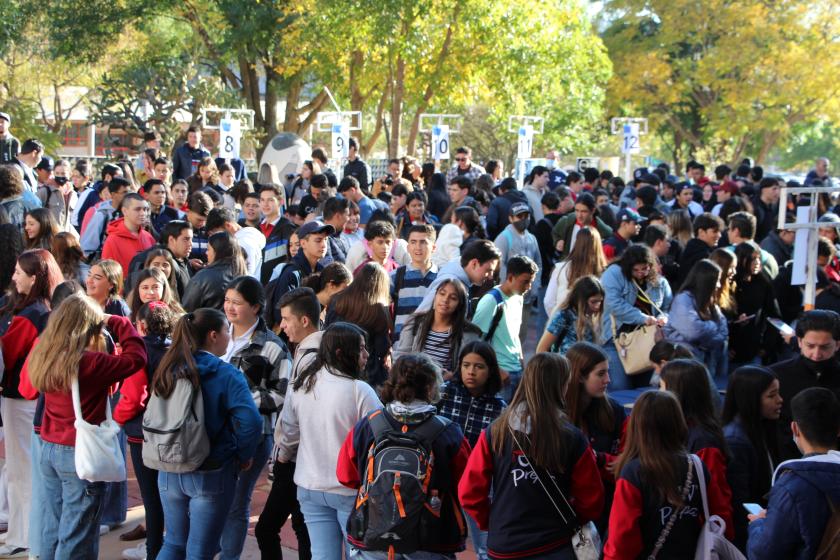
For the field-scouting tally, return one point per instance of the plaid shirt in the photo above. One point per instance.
(473, 414)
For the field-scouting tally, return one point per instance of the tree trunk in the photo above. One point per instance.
(251, 91)
(368, 145)
(396, 107)
(290, 123)
(271, 84)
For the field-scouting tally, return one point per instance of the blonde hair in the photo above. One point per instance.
(72, 326)
(113, 273)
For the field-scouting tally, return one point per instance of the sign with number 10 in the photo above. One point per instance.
(440, 142)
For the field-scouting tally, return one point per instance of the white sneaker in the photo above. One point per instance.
(8, 551)
(135, 553)
(104, 530)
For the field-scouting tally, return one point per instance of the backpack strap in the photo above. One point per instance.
(427, 431)
(399, 282)
(497, 316)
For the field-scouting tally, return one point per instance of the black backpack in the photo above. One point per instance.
(394, 496)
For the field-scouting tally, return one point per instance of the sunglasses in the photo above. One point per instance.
(460, 159)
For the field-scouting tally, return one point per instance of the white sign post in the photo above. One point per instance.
(440, 142)
(525, 127)
(340, 141)
(230, 134)
(631, 130)
(584, 163)
(525, 142)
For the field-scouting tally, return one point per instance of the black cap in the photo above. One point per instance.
(46, 164)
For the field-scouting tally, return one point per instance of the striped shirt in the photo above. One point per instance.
(412, 290)
(437, 348)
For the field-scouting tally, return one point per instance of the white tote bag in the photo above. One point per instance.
(98, 454)
(712, 544)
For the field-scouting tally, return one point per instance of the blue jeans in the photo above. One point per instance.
(72, 507)
(36, 512)
(195, 507)
(478, 537)
(325, 514)
(513, 382)
(618, 378)
(236, 525)
(116, 494)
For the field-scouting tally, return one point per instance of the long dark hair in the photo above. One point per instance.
(468, 216)
(583, 357)
(47, 229)
(656, 435)
(702, 284)
(689, 381)
(488, 354)
(250, 289)
(40, 264)
(538, 403)
(535, 171)
(227, 251)
(189, 336)
(424, 320)
(364, 301)
(744, 252)
(743, 401)
(577, 301)
(341, 347)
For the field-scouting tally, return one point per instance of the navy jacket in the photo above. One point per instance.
(798, 509)
(183, 159)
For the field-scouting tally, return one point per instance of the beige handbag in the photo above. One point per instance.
(634, 347)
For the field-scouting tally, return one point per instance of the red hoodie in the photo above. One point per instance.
(121, 245)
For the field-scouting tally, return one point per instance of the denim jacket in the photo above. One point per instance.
(620, 298)
(686, 326)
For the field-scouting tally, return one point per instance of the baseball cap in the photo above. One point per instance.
(315, 226)
(519, 208)
(648, 179)
(639, 172)
(830, 218)
(6, 116)
(46, 164)
(730, 187)
(629, 215)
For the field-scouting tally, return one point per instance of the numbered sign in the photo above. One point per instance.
(340, 141)
(440, 142)
(229, 136)
(584, 163)
(631, 144)
(526, 141)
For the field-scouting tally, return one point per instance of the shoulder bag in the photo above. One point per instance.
(712, 544)
(98, 455)
(634, 347)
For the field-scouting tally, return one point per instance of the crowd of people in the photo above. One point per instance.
(367, 341)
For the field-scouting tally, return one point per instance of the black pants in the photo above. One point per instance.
(281, 502)
(147, 479)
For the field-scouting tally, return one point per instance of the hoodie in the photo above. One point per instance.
(499, 210)
(122, 245)
(695, 250)
(798, 510)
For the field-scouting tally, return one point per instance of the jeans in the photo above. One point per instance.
(36, 512)
(195, 507)
(619, 381)
(513, 382)
(326, 517)
(282, 502)
(236, 526)
(147, 480)
(72, 507)
(478, 537)
(18, 415)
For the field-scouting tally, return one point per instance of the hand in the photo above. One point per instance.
(788, 337)
(560, 245)
(505, 376)
(197, 264)
(742, 318)
(760, 515)
(246, 465)
(447, 375)
(650, 320)
(662, 321)
(611, 467)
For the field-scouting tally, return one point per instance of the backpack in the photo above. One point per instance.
(394, 500)
(174, 437)
(497, 315)
(830, 544)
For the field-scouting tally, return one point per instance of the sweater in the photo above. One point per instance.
(97, 372)
(122, 245)
(315, 425)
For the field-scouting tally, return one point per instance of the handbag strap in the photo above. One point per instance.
(701, 480)
(77, 402)
(650, 299)
(663, 536)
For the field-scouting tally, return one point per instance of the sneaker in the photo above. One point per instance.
(135, 552)
(104, 530)
(7, 551)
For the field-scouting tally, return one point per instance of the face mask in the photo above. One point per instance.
(60, 181)
(817, 366)
(550, 163)
(521, 225)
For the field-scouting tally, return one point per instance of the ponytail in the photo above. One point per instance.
(189, 336)
(468, 216)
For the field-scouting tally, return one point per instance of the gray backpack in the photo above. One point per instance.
(174, 437)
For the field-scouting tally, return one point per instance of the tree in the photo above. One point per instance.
(724, 78)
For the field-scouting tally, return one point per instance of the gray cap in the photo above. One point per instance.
(6, 116)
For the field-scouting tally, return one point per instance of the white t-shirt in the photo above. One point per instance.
(252, 242)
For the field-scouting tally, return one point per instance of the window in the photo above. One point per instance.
(75, 134)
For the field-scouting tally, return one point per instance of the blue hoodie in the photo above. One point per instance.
(232, 420)
(798, 509)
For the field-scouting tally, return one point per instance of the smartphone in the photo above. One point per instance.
(754, 509)
(783, 327)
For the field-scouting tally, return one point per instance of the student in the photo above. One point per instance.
(313, 247)
(696, 321)
(653, 487)
(356, 166)
(663, 352)
(336, 214)
(707, 232)
(409, 394)
(69, 256)
(251, 240)
(464, 225)
(73, 506)
(629, 226)
(186, 158)
(39, 228)
(151, 286)
(276, 228)
(578, 318)
(365, 303)
(224, 263)
(414, 214)
(95, 222)
(516, 240)
(499, 209)
(585, 259)
(741, 227)
(332, 280)
(409, 283)
(585, 215)
(326, 400)
(684, 200)
(817, 333)
(352, 233)
(552, 212)
(126, 235)
(265, 362)
(499, 316)
(459, 189)
(750, 417)
(689, 381)
(251, 214)
(175, 239)
(379, 241)
(477, 265)
(796, 518)
(195, 519)
(199, 208)
(300, 312)
(180, 195)
(104, 284)
(154, 191)
(634, 294)
(350, 188)
(528, 456)
(155, 322)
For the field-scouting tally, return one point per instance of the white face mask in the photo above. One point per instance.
(550, 163)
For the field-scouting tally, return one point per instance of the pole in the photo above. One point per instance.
(628, 175)
(811, 266)
(332, 99)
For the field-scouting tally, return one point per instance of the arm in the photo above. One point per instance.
(270, 394)
(133, 395)
(245, 418)
(686, 319)
(587, 488)
(475, 483)
(193, 294)
(25, 387)
(614, 302)
(289, 430)
(458, 464)
(484, 311)
(550, 299)
(719, 493)
(346, 470)
(109, 369)
(405, 343)
(625, 534)
(501, 242)
(18, 341)
(778, 535)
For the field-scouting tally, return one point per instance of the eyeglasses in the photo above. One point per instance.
(460, 159)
